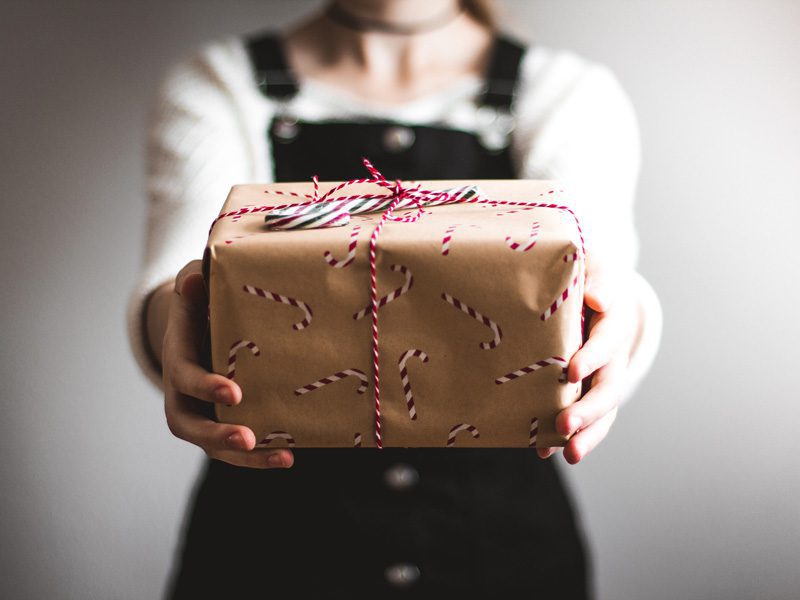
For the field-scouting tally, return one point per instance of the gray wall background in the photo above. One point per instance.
(695, 493)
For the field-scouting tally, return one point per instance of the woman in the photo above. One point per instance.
(426, 89)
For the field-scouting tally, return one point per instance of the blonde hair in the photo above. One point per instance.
(483, 11)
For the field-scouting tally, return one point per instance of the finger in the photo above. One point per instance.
(604, 340)
(190, 379)
(182, 352)
(603, 397)
(194, 267)
(586, 440)
(546, 452)
(601, 287)
(190, 305)
(257, 459)
(186, 422)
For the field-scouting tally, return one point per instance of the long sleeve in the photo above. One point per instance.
(575, 124)
(200, 143)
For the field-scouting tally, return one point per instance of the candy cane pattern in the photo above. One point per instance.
(531, 239)
(473, 431)
(351, 251)
(534, 432)
(553, 360)
(448, 235)
(284, 300)
(412, 411)
(558, 301)
(362, 387)
(235, 347)
(357, 440)
(278, 435)
(511, 212)
(571, 257)
(391, 295)
(498, 333)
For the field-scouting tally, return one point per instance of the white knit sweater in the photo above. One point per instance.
(574, 123)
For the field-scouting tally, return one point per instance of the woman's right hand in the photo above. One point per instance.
(187, 385)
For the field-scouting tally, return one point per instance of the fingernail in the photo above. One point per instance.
(275, 460)
(223, 394)
(234, 441)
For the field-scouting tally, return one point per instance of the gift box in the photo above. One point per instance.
(479, 298)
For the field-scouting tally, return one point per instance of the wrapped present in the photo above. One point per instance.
(376, 313)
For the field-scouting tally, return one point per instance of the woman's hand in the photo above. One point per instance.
(187, 385)
(602, 363)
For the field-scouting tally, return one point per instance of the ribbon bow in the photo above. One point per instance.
(329, 210)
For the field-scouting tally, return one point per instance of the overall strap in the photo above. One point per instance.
(502, 74)
(275, 79)
(273, 76)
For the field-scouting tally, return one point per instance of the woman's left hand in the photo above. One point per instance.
(602, 362)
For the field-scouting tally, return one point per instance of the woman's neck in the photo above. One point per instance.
(399, 17)
(387, 67)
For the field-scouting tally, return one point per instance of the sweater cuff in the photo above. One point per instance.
(646, 346)
(137, 326)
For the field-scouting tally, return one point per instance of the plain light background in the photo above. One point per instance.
(696, 492)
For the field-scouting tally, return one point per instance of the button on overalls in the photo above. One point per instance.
(392, 523)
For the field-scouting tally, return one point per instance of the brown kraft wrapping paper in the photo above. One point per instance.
(283, 308)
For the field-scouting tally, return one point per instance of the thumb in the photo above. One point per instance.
(190, 286)
(599, 293)
(601, 285)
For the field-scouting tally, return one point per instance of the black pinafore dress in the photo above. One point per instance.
(392, 523)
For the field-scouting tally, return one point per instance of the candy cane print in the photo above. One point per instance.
(351, 251)
(362, 387)
(553, 360)
(448, 235)
(357, 440)
(529, 244)
(412, 411)
(571, 257)
(558, 301)
(534, 432)
(473, 431)
(235, 347)
(278, 435)
(498, 333)
(284, 300)
(511, 212)
(391, 295)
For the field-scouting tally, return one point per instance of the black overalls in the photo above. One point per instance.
(367, 523)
